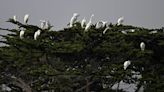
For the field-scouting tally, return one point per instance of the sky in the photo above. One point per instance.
(143, 13)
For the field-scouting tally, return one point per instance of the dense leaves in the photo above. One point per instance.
(71, 60)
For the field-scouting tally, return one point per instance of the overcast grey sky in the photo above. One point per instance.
(146, 13)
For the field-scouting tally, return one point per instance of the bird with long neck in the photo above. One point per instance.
(83, 22)
(107, 28)
(26, 18)
(120, 21)
(89, 23)
(73, 19)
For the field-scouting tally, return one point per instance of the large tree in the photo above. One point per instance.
(72, 60)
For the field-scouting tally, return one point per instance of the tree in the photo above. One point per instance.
(71, 60)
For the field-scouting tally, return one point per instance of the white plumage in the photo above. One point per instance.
(15, 18)
(36, 34)
(107, 28)
(26, 17)
(42, 24)
(73, 19)
(21, 34)
(83, 22)
(153, 32)
(103, 23)
(142, 46)
(126, 64)
(120, 20)
(89, 23)
(124, 32)
(97, 25)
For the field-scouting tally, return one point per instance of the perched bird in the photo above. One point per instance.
(103, 23)
(132, 30)
(15, 18)
(21, 34)
(153, 32)
(142, 46)
(124, 32)
(126, 64)
(83, 22)
(73, 19)
(36, 34)
(42, 24)
(120, 21)
(97, 25)
(107, 28)
(26, 17)
(89, 23)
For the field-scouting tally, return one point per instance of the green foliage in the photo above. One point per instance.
(71, 60)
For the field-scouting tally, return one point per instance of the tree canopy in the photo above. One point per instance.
(72, 60)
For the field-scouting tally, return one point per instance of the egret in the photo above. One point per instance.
(132, 30)
(89, 23)
(73, 19)
(15, 18)
(124, 32)
(120, 21)
(26, 17)
(126, 64)
(103, 23)
(43, 23)
(97, 25)
(142, 46)
(21, 34)
(83, 22)
(153, 32)
(107, 28)
(37, 33)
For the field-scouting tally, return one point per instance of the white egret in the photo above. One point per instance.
(107, 28)
(73, 19)
(21, 34)
(15, 18)
(83, 22)
(124, 32)
(153, 32)
(42, 24)
(26, 17)
(97, 25)
(142, 46)
(89, 23)
(120, 21)
(132, 30)
(103, 23)
(36, 34)
(126, 64)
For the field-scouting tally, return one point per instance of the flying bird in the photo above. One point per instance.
(142, 46)
(73, 19)
(89, 23)
(120, 21)
(126, 64)
(36, 34)
(21, 34)
(83, 22)
(26, 17)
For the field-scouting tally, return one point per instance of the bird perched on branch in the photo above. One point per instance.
(126, 64)
(26, 18)
(73, 19)
(83, 22)
(89, 23)
(15, 18)
(36, 34)
(107, 28)
(21, 34)
(142, 46)
(120, 21)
